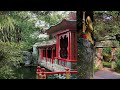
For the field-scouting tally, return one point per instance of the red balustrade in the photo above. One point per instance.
(42, 74)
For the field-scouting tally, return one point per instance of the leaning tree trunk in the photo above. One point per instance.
(85, 59)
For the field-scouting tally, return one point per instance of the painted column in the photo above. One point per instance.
(99, 63)
(68, 64)
(70, 48)
(73, 46)
(73, 49)
(57, 45)
(46, 55)
(113, 58)
(57, 49)
(52, 55)
(76, 46)
(41, 54)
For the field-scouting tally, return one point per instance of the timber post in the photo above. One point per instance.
(67, 73)
(37, 72)
(113, 56)
(43, 75)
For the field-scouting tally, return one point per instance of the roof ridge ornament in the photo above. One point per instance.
(72, 16)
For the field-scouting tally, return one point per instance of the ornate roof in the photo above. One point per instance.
(63, 25)
(107, 43)
(45, 43)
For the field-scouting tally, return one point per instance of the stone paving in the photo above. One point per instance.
(106, 74)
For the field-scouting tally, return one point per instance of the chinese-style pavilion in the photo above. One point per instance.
(61, 51)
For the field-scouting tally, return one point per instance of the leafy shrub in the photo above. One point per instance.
(95, 69)
(6, 72)
(10, 57)
(53, 76)
(73, 76)
(107, 64)
(117, 65)
(117, 62)
(107, 54)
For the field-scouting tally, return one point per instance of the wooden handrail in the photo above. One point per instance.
(63, 59)
(62, 72)
(67, 60)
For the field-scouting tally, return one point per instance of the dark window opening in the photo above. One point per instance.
(63, 47)
(49, 53)
(54, 52)
(44, 52)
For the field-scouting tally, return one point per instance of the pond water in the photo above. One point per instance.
(26, 72)
(29, 72)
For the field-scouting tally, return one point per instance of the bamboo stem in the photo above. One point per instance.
(83, 21)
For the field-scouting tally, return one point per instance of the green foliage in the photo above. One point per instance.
(53, 17)
(106, 23)
(6, 21)
(25, 72)
(6, 72)
(53, 76)
(73, 76)
(117, 68)
(117, 62)
(118, 52)
(11, 51)
(17, 33)
(107, 64)
(107, 54)
(20, 26)
(56, 76)
(107, 50)
(95, 68)
(10, 57)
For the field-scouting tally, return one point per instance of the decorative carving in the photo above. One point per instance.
(89, 29)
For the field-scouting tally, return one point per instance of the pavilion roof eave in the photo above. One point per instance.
(104, 44)
(63, 25)
(46, 43)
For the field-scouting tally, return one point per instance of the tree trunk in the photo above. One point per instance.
(85, 59)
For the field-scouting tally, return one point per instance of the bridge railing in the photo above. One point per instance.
(41, 74)
(62, 61)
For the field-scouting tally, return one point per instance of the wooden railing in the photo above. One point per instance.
(41, 74)
(60, 60)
